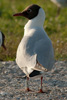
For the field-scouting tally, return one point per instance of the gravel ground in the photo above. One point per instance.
(12, 84)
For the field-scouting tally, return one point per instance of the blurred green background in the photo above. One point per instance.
(13, 27)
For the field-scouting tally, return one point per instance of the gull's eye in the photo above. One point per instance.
(29, 11)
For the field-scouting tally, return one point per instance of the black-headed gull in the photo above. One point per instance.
(35, 53)
(60, 3)
(2, 39)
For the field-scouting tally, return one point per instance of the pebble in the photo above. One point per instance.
(2, 93)
(12, 85)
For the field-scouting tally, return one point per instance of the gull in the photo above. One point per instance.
(60, 3)
(35, 54)
(2, 39)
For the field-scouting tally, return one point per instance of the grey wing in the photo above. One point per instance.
(45, 54)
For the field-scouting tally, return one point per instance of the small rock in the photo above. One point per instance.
(2, 93)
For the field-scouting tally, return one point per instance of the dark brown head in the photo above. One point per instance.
(30, 12)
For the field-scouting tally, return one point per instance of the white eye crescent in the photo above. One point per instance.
(29, 11)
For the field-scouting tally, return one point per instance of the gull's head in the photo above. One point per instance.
(33, 12)
(2, 39)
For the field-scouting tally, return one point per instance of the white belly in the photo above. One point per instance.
(24, 60)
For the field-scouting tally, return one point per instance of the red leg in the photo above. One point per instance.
(58, 11)
(27, 85)
(41, 91)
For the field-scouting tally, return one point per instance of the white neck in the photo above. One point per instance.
(38, 21)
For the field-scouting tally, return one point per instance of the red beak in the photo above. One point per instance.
(18, 14)
(24, 13)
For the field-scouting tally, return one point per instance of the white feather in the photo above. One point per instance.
(35, 45)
